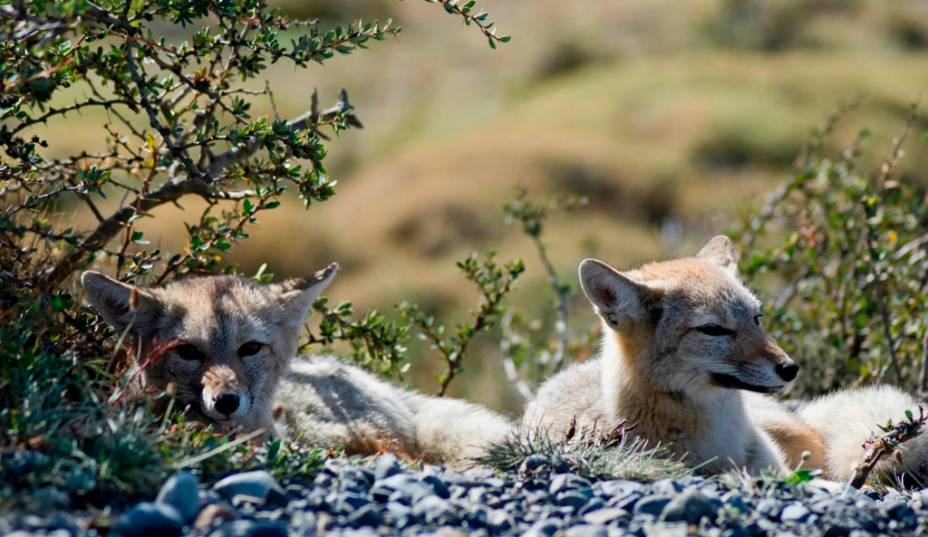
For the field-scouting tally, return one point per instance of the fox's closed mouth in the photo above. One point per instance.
(729, 381)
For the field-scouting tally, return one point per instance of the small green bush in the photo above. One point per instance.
(180, 122)
(841, 253)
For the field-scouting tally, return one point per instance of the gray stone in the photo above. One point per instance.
(532, 463)
(736, 502)
(542, 528)
(351, 502)
(585, 530)
(605, 516)
(365, 516)
(592, 505)
(250, 528)
(387, 465)
(667, 487)
(617, 487)
(795, 512)
(432, 509)
(651, 505)
(403, 485)
(690, 507)
(499, 520)
(564, 482)
(149, 518)
(182, 492)
(769, 507)
(736, 531)
(675, 530)
(575, 499)
(257, 484)
(438, 486)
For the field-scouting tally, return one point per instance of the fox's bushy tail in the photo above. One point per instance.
(455, 431)
(847, 420)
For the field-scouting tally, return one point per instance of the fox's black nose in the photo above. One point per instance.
(227, 403)
(788, 371)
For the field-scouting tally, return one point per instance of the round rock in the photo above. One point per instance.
(257, 484)
(149, 519)
(690, 507)
(181, 491)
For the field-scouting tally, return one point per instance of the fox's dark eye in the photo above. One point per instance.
(715, 330)
(249, 349)
(189, 352)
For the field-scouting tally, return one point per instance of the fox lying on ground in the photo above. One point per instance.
(232, 341)
(682, 338)
(682, 349)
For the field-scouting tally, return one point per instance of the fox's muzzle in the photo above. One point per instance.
(223, 396)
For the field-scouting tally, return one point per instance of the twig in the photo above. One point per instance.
(881, 278)
(509, 366)
(923, 378)
(270, 96)
(563, 304)
(878, 447)
(480, 19)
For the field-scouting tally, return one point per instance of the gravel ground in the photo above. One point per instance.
(384, 497)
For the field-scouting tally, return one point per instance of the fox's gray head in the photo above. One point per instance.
(222, 341)
(688, 323)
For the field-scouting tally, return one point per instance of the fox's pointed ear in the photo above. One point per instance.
(720, 251)
(298, 294)
(120, 304)
(615, 295)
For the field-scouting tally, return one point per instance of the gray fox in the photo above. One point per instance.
(682, 340)
(685, 359)
(228, 351)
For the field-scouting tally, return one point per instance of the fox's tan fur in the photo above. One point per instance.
(846, 419)
(655, 372)
(658, 371)
(324, 401)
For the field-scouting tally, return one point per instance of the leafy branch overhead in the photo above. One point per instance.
(480, 19)
(375, 341)
(179, 122)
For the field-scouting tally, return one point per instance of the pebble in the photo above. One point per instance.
(250, 528)
(210, 514)
(794, 512)
(181, 491)
(605, 516)
(258, 484)
(586, 530)
(387, 465)
(149, 519)
(651, 505)
(690, 507)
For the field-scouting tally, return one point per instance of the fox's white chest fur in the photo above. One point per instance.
(712, 431)
(728, 436)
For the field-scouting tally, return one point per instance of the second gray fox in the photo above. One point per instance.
(682, 339)
(227, 345)
(685, 359)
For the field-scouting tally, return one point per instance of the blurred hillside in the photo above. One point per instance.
(670, 116)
